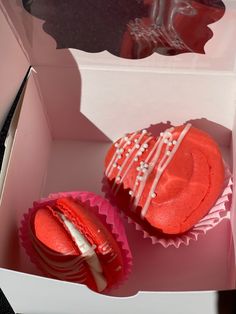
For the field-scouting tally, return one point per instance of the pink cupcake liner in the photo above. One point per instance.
(107, 213)
(220, 211)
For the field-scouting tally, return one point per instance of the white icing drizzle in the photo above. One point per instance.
(151, 166)
(154, 36)
(113, 160)
(127, 141)
(136, 146)
(88, 252)
(130, 165)
(163, 165)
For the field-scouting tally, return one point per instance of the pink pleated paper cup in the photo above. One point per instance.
(101, 208)
(220, 211)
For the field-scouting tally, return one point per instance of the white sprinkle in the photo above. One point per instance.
(99, 230)
(136, 140)
(127, 154)
(119, 167)
(139, 153)
(166, 141)
(129, 150)
(141, 162)
(153, 195)
(161, 134)
(131, 193)
(145, 145)
(137, 145)
(121, 150)
(118, 178)
(119, 156)
(174, 142)
(138, 168)
(116, 145)
(140, 178)
(128, 142)
(144, 170)
(144, 131)
(114, 165)
(168, 134)
(142, 149)
(168, 153)
(146, 166)
(170, 144)
(136, 183)
(126, 138)
(136, 159)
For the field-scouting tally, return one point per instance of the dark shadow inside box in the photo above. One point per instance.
(5, 306)
(129, 29)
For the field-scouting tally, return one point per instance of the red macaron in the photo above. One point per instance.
(67, 240)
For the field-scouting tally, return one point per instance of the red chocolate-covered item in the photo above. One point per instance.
(69, 241)
(167, 183)
(172, 27)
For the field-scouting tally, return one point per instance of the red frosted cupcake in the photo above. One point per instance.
(166, 185)
(77, 237)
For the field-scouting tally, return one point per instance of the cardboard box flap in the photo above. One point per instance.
(190, 34)
(8, 132)
(13, 65)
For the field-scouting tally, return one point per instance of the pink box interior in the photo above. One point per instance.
(70, 115)
(57, 148)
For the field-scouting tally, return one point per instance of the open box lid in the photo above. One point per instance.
(177, 30)
(99, 36)
(196, 36)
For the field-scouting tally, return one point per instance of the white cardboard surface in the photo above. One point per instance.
(31, 297)
(148, 98)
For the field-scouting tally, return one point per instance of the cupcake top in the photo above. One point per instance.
(169, 182)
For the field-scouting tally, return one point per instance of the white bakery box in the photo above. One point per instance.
(73, 106)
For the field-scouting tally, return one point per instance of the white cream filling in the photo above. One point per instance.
(88, 252)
